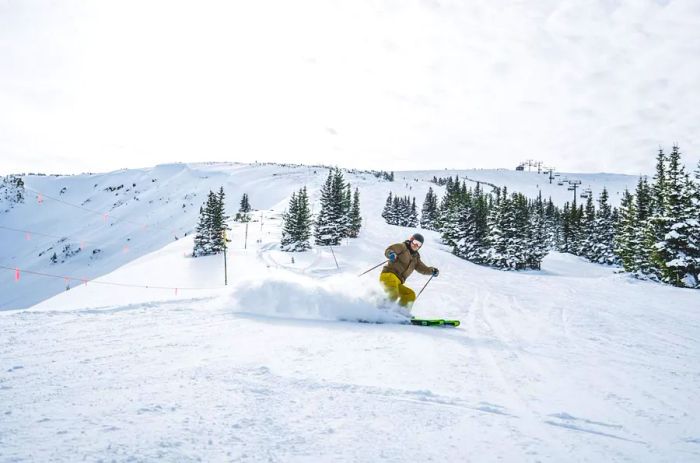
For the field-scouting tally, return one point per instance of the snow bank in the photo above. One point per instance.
(297, 296)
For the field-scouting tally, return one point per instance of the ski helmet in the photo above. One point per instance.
(418, 237)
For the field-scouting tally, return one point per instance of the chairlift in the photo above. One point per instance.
(560, 183)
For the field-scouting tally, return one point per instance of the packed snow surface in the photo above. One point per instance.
(575, 362)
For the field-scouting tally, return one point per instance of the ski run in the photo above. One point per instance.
(573, 362)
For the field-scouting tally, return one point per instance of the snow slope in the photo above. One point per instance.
(571, 363)
(116, 217)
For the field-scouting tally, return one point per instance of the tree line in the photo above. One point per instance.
(655, 233)
(339, 215)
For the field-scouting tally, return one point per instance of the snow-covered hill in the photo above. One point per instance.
(97, 223)
(571, 363)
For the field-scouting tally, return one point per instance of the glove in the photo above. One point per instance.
(392, 257)
(436, 272)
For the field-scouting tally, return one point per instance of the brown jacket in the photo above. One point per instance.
(406, 262)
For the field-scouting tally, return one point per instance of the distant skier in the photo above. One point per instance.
(403, 259)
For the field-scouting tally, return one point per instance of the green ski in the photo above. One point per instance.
(434, 322)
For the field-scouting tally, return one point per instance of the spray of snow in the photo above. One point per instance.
(298, 296)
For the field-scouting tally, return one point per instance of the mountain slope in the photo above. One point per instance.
(96, 223)
(571, 363)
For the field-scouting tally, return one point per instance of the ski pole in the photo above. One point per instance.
(372, 268)
(424, 287)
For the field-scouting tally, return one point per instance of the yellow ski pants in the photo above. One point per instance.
(395, 290)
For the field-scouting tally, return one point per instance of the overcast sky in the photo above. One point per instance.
(586, 85)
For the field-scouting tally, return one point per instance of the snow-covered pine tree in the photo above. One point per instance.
(243, 214)
(463, 235)
(325, 228)
(12, 189)
(405, 217)
(577, 213)
(480, 210)
(500, 222)
(644, 208)
(296, 230)
(331, 222)
(245, 203)
(355, 216)
(470, 233)
(672, 253)
(586, 236)
(346, 209)
(413, 215)
(694, 233)
(449, 231)
(304, 219)
(602, 244)
(386, 213)
(201, 243)
(208, 239)
(288, 240)
(567, 243)
(395, 215)
(654, 227)
(429, 212)
(538, 240)
(518, 240)
(552, 218)
(626, 245)
(218, 221)
(451, 214)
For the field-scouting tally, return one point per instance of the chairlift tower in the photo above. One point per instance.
(550, 171)
(573, 186)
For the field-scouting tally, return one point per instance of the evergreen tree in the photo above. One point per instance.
(626, 235)
(296, 228)
(567, 229)
(346, 208)
(602, 243)
(209, 233)
(201, 242)
(643, 231)
(429, 211)
(413, 215)
(452, 212)
(538, 236)
(395, 214)
(332, 219)
(245, 203)
(480, 210)
(552, 219)
(500, 223)
(386, 213)
(355, 216)
(219, 225)
(673, 254)
(244, 209)
(586, 236)
(654, 227)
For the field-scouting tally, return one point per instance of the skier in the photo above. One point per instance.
(403, 259)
